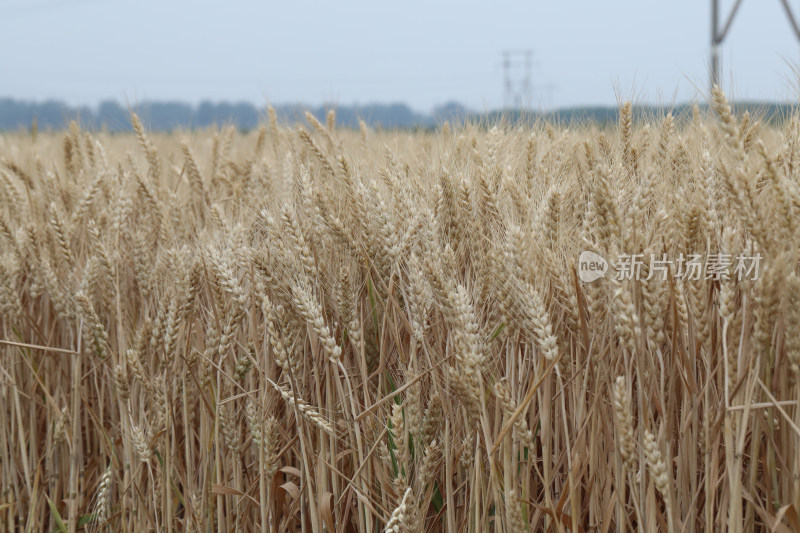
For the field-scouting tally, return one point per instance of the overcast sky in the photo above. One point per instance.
(423, 53)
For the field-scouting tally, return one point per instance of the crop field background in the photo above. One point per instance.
(322, 329)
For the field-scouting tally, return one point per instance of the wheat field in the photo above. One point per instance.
(313, 328)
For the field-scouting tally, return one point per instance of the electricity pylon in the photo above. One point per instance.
(718, 34)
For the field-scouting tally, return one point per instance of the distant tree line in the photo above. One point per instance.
(168, 116)
(608, 116)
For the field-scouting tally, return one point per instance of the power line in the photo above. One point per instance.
(94, 76)
(33, 7)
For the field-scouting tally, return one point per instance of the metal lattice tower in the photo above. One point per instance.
(517, 87)
(718, 34)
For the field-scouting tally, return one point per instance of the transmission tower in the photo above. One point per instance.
(517, 73)
(718, 34)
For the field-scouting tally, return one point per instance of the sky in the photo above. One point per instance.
(423, 53)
